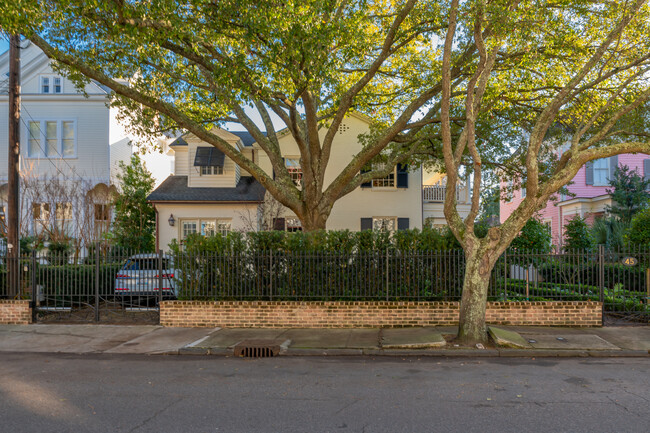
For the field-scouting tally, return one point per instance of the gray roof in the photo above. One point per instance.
(245, 136)
(175, 188)
(179, 142)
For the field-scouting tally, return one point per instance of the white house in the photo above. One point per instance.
(209, 193)
(64, 161)
(155, 153)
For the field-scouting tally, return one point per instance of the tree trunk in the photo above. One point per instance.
(314, 219)
(471, 328)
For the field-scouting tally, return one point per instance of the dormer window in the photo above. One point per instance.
(209, 160)
(209, 171)
(51, 84)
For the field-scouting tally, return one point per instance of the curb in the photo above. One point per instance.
(444, 353)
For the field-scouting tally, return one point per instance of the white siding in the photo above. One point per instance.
(181, 166)
(92, 148)
(225, 180)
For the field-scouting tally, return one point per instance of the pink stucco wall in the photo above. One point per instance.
(581, 190)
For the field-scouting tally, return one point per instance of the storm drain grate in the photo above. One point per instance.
(257, 349)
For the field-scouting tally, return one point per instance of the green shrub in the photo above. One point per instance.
(58, 252)
(534, 236)
(639, 233)
(609, 232)
(320, 265)
(577, 236)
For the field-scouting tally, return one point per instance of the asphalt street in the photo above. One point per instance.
(136, 393)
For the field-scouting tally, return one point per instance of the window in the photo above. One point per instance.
(102, 219)
(211, 170)
(294, 169)
(45, 84)
(293, 225)
(601, 172)
(205, 227)
(384, 182)
(523, 192)
(51, 139)
(41, 215)
(34, 146)
(223, 227)
(63, 217)
(57, 84)
(51, 84)
(188, 227)
(208, 228)
(384, 223)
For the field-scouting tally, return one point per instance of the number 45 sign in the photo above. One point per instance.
(630, 261)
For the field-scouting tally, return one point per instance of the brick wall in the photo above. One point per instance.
(15, 312)
(268, 314)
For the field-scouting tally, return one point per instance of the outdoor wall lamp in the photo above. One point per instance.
(171, 220)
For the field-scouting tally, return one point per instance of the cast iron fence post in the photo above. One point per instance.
(270, 275)
(97, 249)
(387, 276)
(34, 289)
(505, 275)
(601, 277)
(160, 278)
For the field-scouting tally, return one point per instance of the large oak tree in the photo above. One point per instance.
(578, 99)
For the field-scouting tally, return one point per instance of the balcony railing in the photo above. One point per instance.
(437, 193)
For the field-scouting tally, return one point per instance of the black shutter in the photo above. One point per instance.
(366, 184)
(589, 173)
(402, 176)
(402, 223)
(613, 164)
(278, 224)
(366, 223)
(646, 169)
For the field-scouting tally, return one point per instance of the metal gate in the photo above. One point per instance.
(93, 285)
(620, 279)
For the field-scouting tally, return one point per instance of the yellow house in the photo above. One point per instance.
(209, 193)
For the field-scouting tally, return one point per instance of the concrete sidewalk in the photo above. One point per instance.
(150, 340)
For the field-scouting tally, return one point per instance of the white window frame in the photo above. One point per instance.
(605, 170)
(50, 79)
(384, 220)
(385, 182)
(221, 225)
(295, 170)
(181, 227)
(209, 170)
(43, 148)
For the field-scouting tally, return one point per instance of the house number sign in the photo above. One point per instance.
(630, 261)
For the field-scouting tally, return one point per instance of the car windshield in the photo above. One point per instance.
(145, 264)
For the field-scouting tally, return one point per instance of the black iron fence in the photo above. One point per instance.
(109, 280)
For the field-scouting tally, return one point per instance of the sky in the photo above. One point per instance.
(4, 45)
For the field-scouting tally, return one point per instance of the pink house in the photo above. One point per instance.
(589, 187)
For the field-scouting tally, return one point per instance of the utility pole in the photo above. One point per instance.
(13, 244)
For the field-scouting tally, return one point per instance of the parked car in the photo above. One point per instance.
(140, 276)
